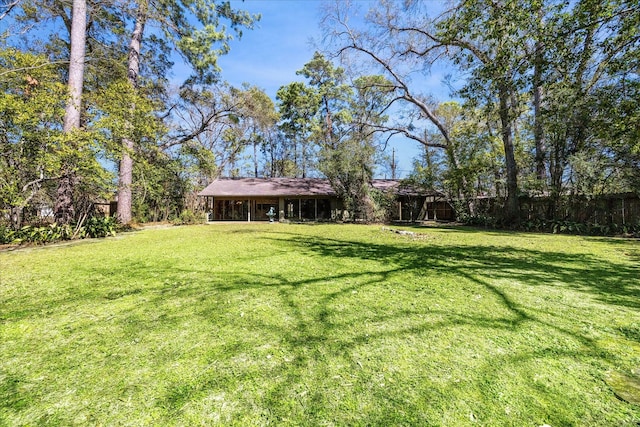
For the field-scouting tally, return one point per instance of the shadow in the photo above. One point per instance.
(617, 284)
(326, 330)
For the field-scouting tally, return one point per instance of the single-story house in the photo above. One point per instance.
(308, 199)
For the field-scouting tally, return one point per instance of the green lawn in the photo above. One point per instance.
(274, 324)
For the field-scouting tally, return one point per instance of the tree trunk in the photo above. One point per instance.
(512, 207)
(125, 174)
(76, 65)
(556, 162)
(255, 159)
(538, 120)
(64, 208)
(538, 128)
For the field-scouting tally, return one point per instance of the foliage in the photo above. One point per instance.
(36, 234)
(546, 104)
(189, 217)
(161, 186)
(337, 123)
(100, 226)
(382, 205)
(298, 106)
(94, 227)
(32, 144)
(114, 118)
(588, 229)
(30, 111)
(272, 324)
(556, 83)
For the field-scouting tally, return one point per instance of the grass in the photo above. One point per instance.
(272, 324)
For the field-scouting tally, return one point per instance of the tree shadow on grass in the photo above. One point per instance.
(617, 284)
(317, 341)
(329, 326)
(612, 284)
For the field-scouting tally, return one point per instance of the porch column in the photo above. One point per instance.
(281, 208)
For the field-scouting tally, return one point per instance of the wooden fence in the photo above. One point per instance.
(621, 209)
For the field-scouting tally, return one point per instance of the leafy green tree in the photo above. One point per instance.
(65, 52)
(30, 108)
(485, 38)
(474, 148)
(205, 128)
(298, 106)
(583, 69)
(350, 162)
(343, 125)
(395, 41)
(550, 72)
(329, 83)
(33, 145)
(257, 118)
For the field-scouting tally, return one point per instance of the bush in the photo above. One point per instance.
(6, 234)
(383, 205)
(96, 226)
(189, 217)
(36, 234)
(568, 227)
(100, 226)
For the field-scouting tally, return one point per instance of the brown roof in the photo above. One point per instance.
(282, 187)
(261, 187)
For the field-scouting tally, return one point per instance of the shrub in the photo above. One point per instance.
(100, 226)
(40, 234)
(36, 234)
(189, 217)
(559, 226)
(6, 234)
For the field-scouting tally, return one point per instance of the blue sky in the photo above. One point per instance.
(282, 42)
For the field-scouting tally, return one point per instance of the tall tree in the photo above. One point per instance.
(64, 207)
(329, 82)
(195, 30)
(485, 38)
(343, 125)
(298, 105)
(590, 47)
(101, 31)
(257, 116)
(395, 42)
(125, 170)
(349, 161)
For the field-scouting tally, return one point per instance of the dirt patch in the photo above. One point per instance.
(625, 387)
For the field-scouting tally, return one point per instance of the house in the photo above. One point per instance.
(308, 199)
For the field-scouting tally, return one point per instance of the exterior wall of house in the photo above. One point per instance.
(255, 209)
(420, 208)
(300, 208)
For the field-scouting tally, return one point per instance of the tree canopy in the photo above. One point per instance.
(543, 103)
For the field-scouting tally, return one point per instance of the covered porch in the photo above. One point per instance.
(257, 208)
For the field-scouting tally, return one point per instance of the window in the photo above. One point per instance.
(291, 208)
(263, 206)
(323, 209)
(308, 209)
(234, 210)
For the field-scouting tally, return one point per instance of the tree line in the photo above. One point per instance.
(544, 102)
(546, 94)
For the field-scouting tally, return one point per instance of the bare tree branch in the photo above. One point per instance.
(8, 6)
